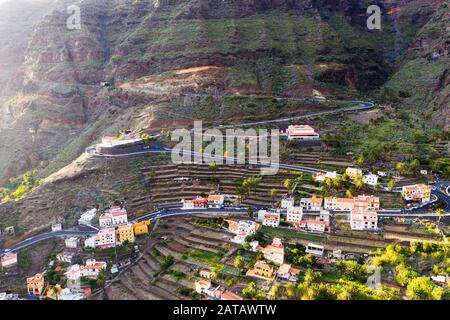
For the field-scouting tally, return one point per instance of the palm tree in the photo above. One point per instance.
(273, 193)
(441, 213)
(288, 184)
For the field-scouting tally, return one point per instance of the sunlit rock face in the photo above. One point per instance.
(50, 75)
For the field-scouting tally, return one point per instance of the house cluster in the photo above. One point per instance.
(417, 193)
(213, 200)
(370, 179)
(274, 253)
(242, 229)
(313, 214)
(74, 274)
(115, 230)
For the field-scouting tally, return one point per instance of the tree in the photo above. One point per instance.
(290, 289)
(239, 262)
(402, 168)
(391, 184)
(360, 161)
(422, 288)
(288, 184)
(273, 193)
(377, 187)
(251, 291)
(250, 211)
(441, 213)
(274, 291)
(359, 184)
(350, 192)
(403, 274)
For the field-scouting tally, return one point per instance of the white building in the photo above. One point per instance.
(90, 242)
(90, 270)
(8, 260)
(271, 220)
(302, 132)
(68, 294)
(187, 204)
(119, 216)
(363, 220)
(87, 217)
(321, 176)
(106, 238)
(287, 203)
(72, 242)
(274, 252)
(67, 257)
(311, 225)
(315, 249)
(261, 214)
(324, 216)
(370, 179)
(311, 204)
(56, 227)
(294, 214)
(216, 201)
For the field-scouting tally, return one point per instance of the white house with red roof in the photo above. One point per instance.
(271, 219)
(8, 260)
(273, 252)
(361, 219)
(90, 270)
(294, 214)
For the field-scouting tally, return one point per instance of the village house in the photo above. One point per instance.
(87, 217)
(324, 216)
(321, 176)
(294, 214)
(311, 204)
(311, 226)
(247, 227)
(8, 296)
(72, 242)
(361, 219)
(261, 270)
(230, 296)
(242, 229)
(119, 216)
(273, 252)
(35, 284)
(56, 227)
(68, 294)
(339, 204)
(418, 192)
(105, 220)
(370, 203)
(8, 260)
(105, 238)
(287, 273)
(9, 231)
(197, 203)
(67, 257)
(315, 249)
(216, 201)
(140, 228)
(271, 219)
(203, 286)
(353, 173)
(206, 274)
(90, 270)
(370, 179)
(287, 203)
(125, 233)
(302, 132)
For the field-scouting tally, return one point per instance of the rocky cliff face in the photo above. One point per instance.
(51, 93)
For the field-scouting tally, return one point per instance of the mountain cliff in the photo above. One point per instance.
(53, 106)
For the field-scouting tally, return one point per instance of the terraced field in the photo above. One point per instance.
(192, 247)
